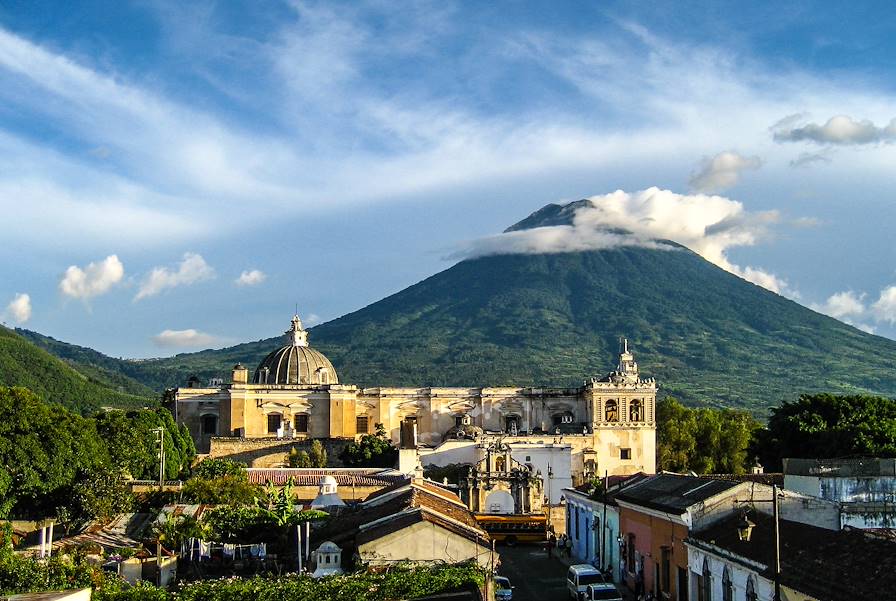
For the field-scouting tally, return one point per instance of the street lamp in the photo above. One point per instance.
(745, 527)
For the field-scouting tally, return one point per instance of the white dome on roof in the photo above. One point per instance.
(327, 494)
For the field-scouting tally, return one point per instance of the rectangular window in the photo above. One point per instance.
(630, 553)
(361, 424)
(209, 424)
(625, 453)
(665, 561)
(301, 422)
(273, 423)
(577, 523)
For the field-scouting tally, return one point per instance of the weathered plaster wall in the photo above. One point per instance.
(270, 452)
(423, 542)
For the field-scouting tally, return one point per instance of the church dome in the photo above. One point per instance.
(295, 363)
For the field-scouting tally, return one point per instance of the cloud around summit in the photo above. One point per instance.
(709, 225)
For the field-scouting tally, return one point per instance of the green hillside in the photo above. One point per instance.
(105, 370)
(707, 336)
(22, 363)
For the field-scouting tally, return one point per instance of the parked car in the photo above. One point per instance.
(606, 591)
(579, 577)
(503, 589)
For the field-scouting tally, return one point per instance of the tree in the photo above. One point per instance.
(676, 432)
(230, 489)
(373, 450)
(100, 494)
(211, 468)
(43, 448)
(298, 458)
(132, 442)
(825, 426)
(318, 455)
(702, 440)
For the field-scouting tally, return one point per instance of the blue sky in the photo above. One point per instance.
(178, 177)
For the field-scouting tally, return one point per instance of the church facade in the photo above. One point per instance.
(295, 393)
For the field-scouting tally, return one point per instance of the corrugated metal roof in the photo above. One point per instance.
(673, 493)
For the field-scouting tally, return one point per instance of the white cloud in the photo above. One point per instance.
(849, 307)
(189, 338)
(312, 319)
(722, 171)
(191, 269)
(251, 278)
(19, 309)
(884, 308)
(843, 305)
(708, 225)
(93, 280)
(840, 129)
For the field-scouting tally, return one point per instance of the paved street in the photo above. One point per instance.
(535, 577)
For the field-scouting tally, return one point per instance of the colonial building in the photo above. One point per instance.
(295, 393)
(500, 484)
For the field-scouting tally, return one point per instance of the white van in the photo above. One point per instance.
(579, 577)
(603, 592)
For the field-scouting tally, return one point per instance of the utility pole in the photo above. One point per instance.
(777, 545)
(603, 523)
(160, 438)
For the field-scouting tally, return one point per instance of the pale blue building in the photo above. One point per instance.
(593, 526)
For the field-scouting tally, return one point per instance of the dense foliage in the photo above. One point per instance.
(231, 489)
(825, 426)
(132, 442)
(20, 574)
(24, 364)
(220, 481)
(372, 450)
(393, 585)
(213, 467)
(57, 463)
(703, 440)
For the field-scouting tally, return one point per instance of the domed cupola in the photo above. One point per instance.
(296, 363)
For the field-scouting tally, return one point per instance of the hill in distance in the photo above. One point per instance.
(706, 335)
(79, 386)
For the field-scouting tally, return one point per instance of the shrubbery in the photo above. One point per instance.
(373, 450)
(398, 583)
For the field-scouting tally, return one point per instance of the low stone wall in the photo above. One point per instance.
(271, 452)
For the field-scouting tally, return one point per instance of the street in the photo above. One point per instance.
(535, 577)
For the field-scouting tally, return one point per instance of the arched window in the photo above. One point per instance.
(636, 411)
(209, 424)
(323, 375)
(611, 411)
(727, 586)
(500, 465)
(751, 590)
(707, 581)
